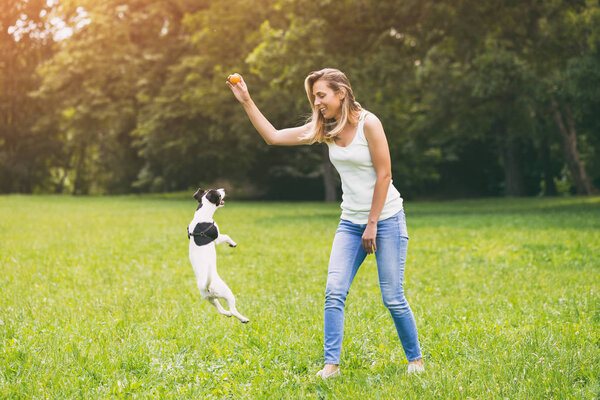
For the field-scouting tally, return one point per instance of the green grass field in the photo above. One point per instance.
(98, 300)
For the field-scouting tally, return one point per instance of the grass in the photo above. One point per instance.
(98, 300)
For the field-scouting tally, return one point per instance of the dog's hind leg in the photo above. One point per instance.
(230, 299)
(220, 308)
(209, 295)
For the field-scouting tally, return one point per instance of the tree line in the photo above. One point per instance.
(120, 96)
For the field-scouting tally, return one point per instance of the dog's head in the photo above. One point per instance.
(212, 196)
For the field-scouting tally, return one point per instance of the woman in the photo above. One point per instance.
(372, 218)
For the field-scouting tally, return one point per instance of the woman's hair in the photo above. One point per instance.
(326, 130)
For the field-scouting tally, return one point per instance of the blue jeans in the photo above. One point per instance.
(347, 254)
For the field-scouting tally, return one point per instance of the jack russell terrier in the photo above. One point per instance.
(203, 234)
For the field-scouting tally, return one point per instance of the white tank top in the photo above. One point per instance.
(355, 166)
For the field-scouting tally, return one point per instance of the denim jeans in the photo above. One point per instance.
(347, 254)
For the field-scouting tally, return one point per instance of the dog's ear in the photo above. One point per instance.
(198, 195)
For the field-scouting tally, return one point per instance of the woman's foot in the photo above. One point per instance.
(416, 367)
(329, 371)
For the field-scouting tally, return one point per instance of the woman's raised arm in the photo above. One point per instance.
(284, 137)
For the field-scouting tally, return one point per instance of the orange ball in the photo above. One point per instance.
(235, 78)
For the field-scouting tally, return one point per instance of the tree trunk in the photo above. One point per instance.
(78, 183)
(549, 185)
(512, 168)
(569, 139)
(60, 186)
(328, 175)
(511, 161)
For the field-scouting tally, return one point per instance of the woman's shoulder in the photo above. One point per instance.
(372, 123)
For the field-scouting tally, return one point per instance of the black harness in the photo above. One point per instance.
(204, 233)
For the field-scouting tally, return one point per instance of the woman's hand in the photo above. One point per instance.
(369, 238)
(240, 90)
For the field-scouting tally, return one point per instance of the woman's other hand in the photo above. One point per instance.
(369, 238)
(240, 90)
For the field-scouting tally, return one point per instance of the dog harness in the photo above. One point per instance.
(204, 233)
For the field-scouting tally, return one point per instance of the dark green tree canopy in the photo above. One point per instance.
(476, 98)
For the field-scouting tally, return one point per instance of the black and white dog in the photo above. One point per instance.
(203, 234)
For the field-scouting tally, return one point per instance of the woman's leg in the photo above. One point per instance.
(392, 245)
(346, 257)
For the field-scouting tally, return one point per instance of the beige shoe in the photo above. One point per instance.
(334, 374)
(415, 368)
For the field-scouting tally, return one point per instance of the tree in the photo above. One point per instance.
(488, 76)
(476, 98)
(97, 81)
(359, 41)
(187, 130)
(25, 42)
(570, 49)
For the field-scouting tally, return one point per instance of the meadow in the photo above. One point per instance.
(98, 300)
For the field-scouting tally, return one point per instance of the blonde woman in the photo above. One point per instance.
(372, 219)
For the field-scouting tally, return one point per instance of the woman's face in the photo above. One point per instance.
(328, 102)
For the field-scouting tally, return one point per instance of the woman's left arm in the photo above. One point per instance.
(380, 154)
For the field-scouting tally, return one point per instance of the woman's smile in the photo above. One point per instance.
(326, 100)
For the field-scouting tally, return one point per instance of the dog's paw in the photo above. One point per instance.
(233, 245)
(244, 321)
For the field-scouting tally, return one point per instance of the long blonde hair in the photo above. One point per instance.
(326, 130)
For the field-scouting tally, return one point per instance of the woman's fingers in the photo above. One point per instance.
(235, 79)
(237, 82)
(369, 245)
(239, 89)
(369, 239)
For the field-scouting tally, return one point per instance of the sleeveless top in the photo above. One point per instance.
(355, 166)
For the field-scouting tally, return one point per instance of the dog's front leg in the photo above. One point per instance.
(225, 239)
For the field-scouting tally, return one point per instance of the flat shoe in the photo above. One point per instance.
(334, 374)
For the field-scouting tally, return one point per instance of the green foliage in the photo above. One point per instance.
(97, 76)
(99, 301)
(188, 133)
(25, 153)
(135, 100)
